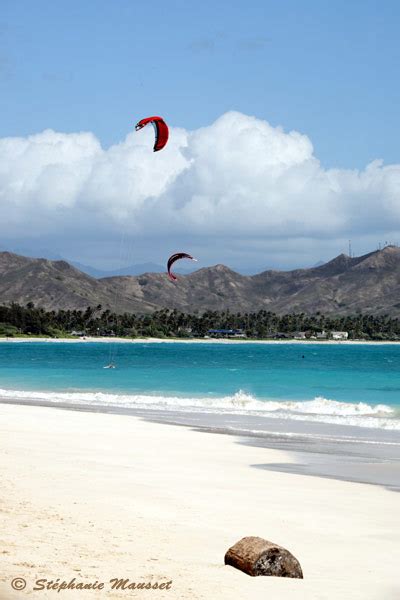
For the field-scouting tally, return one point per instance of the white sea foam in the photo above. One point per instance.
(320, 409)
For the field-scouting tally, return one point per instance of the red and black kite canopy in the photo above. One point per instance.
(160, 128)
(173, 259)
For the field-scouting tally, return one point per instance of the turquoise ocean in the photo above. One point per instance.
(344, 384)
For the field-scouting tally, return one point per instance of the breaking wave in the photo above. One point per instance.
(319, 409)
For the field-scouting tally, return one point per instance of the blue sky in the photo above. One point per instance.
(328, 70)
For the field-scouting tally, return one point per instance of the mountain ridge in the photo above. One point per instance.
(344, 285)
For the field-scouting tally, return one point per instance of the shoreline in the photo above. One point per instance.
(98, 496)
(315, 449)
(107, 340)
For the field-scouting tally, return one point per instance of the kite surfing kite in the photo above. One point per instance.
(173, 259)
(160, 128)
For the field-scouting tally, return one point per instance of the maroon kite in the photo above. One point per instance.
(173, 259)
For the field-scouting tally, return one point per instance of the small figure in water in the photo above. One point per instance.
(110, 366)
(303, 356)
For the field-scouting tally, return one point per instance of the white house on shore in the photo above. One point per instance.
(322, 335)
(339, 335)
(299, 335)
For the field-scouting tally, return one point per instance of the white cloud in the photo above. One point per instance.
(237, 179)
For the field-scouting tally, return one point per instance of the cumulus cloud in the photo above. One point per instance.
(238, 179)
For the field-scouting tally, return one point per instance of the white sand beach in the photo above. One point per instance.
(122, 340)
(100, 496)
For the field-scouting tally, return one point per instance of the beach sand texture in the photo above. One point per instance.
(152, 340)
(102, 496)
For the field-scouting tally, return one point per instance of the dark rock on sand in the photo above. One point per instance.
(256, 556)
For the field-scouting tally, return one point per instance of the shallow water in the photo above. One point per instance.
(338, 384)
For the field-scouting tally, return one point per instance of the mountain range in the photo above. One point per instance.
(344, 285)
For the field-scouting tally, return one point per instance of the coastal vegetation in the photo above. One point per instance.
(17, 320)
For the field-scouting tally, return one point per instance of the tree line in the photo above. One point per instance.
(95, 321)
